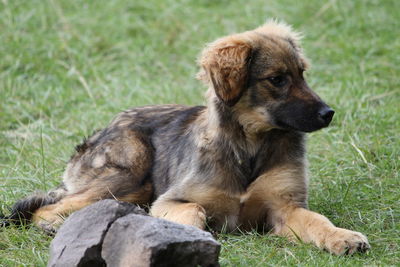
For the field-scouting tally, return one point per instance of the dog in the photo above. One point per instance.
(238, 162)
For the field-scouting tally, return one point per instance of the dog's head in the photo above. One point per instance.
(259, 74)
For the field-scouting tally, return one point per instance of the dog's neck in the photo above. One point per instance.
(240, 126)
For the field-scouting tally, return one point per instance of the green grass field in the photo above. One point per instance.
(67, 67)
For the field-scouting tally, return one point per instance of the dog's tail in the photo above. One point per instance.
(22, 211)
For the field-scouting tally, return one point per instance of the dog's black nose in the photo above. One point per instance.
(326, 114)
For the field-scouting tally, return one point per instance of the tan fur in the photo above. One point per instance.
(275, 197)
(184, 213)
(225, 64)
(52, 216)
(141, 197)
(274, 190)
(221, 206)
(314, 228)
(254, 121)
(273, 27)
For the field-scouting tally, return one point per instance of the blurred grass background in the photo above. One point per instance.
(67, 67)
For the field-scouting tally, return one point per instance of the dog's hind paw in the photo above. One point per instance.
(49, 225)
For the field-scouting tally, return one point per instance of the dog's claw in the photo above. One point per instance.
(346, 242)
(363, 247)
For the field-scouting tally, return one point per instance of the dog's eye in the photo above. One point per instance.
(278, 81)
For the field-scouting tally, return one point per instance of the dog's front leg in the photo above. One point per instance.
(179, 212)
(311, 227)
(281, 194)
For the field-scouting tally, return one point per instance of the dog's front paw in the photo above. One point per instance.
(194, 215)
(345, 242)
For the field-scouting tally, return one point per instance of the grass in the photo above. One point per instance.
(68, 66)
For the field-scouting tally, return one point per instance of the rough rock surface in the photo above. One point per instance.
(112, 233)
(136, 240)
(79, 240)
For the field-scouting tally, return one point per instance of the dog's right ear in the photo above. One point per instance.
(225, 65)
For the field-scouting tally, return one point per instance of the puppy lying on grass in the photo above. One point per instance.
(239, 161)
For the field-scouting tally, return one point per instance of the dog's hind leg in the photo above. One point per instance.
(22, 210)
(50, 217)
(116, 168)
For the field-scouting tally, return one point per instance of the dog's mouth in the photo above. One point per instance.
(301, 127)
(285, 126)
(306, 124)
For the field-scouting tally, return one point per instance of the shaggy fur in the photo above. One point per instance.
(237, 162)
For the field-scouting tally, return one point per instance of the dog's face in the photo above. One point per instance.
(261, 72)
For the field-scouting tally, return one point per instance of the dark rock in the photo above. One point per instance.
(112, 233)
(136, 240)
(79, 240)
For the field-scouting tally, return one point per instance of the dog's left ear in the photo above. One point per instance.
(225, 65)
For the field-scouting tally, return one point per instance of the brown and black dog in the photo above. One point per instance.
(237, 162)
